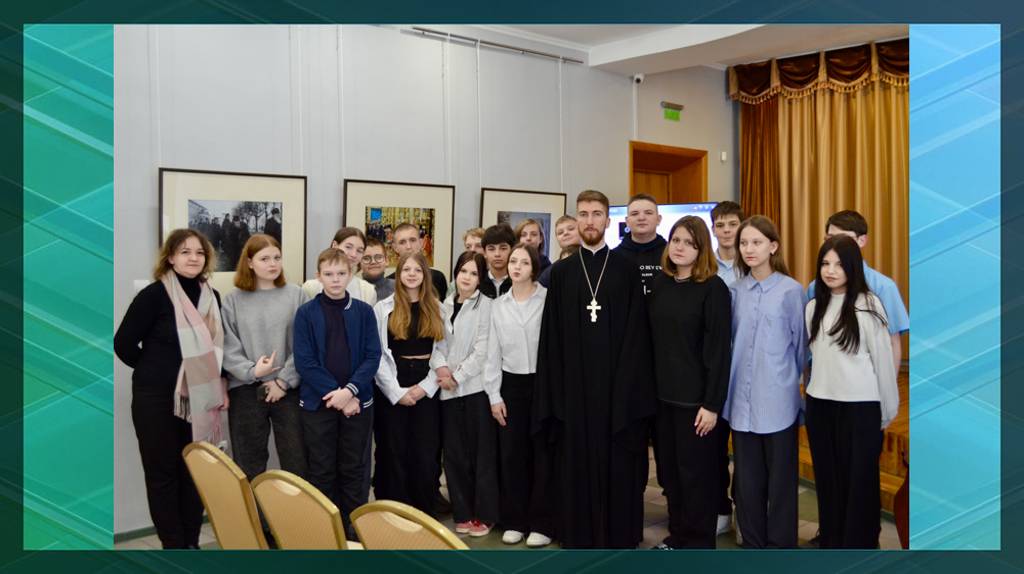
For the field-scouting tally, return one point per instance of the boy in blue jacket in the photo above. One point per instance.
(337, 352)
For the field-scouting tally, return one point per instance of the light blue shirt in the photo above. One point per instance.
(727, 270)
(769, 351)
(888, 293)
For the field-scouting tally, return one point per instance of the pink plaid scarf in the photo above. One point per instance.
(199, 392)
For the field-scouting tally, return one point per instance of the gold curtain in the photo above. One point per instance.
(846, 151)
(759, 158)
(842, 142)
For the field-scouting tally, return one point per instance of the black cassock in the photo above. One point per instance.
(593, 400)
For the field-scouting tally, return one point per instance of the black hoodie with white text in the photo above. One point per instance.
(647, 257)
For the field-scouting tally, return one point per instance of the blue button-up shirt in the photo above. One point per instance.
(769, 351)
(888, 293)
(727, 270)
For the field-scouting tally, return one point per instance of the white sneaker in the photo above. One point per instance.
(724, 524)
(537, 540)
(512, 537)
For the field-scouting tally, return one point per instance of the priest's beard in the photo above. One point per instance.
(592, 237)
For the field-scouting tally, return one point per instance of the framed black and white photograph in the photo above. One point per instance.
(512, 206)
(379, 207)
(229, 207)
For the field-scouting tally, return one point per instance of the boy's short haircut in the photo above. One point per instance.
(373, 242)
(726, 208)
(473, 231)
(564, 219)
(848, 220)
(642, 197)
(498, 234)
(332, 255)
(403, 226)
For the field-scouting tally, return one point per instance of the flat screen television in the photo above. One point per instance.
(670, 213)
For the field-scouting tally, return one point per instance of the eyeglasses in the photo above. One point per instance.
(373, 258)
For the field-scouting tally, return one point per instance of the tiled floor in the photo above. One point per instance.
(655, 527)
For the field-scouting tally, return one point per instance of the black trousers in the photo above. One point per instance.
(410, 441)
(470, 436)
(722, 431)
(844, 449)
(690, 471)
(250, 420)
(525, 463)
(380, 456)
(174, 503)
(765, 482)
(338, 457)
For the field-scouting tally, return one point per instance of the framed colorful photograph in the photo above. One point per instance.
(378, 207)
(229, 207)
(513, 205)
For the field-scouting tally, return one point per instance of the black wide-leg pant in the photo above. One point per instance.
(525, 463)
(690, 473)
(844, 443)
(470, 437)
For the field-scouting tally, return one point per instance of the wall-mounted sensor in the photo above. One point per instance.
(672, 106)
(724, 157)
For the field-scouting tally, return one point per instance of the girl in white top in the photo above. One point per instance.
(852, 394)
(508, 381)
(469, 433)
(352, 242)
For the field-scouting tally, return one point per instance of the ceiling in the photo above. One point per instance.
(649, 49)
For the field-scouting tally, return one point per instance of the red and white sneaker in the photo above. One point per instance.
(479, 529)
(464, 527)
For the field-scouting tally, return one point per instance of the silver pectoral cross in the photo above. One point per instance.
(593, 308)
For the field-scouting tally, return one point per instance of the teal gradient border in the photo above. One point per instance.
(1013, 128)
(955, 287)
(68, 275)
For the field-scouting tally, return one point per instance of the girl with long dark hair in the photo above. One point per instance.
(851, 395)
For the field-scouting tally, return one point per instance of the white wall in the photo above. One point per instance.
(362, 102)
(709, 121)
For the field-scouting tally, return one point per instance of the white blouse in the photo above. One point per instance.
(867, 375)
(465, 344)
(358, 288)
(513, 340)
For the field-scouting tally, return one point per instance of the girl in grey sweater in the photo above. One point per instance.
(262, 381)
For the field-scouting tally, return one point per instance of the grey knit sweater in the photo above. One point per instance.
(259, 323)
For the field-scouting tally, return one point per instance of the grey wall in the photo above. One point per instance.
(336, 102)
(709, 121)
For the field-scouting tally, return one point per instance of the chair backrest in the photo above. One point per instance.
(390, 525)
(227, 497)
(300, 516)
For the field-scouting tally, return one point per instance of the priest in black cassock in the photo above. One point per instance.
(594, 393)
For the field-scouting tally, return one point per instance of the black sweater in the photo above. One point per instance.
(150, 322)
(691, 324)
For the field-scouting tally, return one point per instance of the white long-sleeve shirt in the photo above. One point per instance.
(868, 374)
(513, 340)
(465, 348)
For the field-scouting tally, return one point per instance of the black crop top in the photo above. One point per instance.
(411, 347)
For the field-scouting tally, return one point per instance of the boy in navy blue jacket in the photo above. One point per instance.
(336, 388)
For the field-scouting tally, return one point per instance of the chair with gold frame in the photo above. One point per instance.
(300, 516)
(390, 525)
(226, 494)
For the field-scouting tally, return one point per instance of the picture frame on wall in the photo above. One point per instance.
(274, 204)
(514, 205)
(378, 207)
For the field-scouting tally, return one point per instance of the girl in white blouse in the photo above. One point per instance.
(352, 242)
(469, 433)
(852, 394)
(508, 381)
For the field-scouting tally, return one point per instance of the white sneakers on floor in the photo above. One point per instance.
(537, 540)
(534, 540)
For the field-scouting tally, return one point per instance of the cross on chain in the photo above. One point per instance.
(593, 308)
